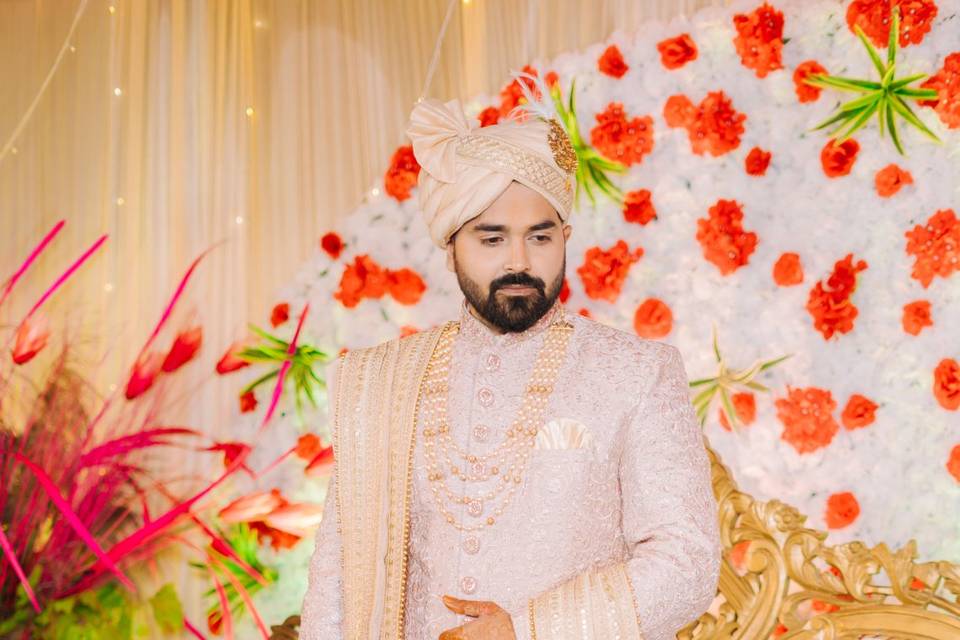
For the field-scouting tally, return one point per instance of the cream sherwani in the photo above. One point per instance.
(613, 532)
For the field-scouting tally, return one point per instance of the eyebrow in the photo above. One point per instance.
(540, 226)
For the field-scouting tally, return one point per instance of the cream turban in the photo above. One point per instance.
(464, 168)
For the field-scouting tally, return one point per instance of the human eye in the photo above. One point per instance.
(490, 241)
(542, 237)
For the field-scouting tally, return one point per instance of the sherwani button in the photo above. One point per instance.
(480, 432)
(471, 545)
(493, 362)
(485, 396)
(468, 584)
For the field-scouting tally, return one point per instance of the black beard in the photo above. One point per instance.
(512, 313)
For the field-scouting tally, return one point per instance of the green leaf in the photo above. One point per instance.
(907, 113)
(892, 126)
(918, 94)
(843, 115)
(756, 385)
(874, 56)
(882, 116)
(858, 123)
(268, 336)
(728, 408)
(697, 383)
(902, 82)
(716, 347)
(772, 363)
(706, 394)
(859, 103)
(846, 84)
(167, 610)
(894, 39)
(888, 76)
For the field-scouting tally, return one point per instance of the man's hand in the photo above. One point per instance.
(492, 622)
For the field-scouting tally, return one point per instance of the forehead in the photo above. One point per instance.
(518, 207)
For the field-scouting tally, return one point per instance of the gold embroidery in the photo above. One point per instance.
(563, 152)
(533, 620)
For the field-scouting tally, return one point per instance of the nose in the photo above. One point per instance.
(519, 261)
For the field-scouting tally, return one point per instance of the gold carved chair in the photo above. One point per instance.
(779, 579)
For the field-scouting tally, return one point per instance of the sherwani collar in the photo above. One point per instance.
(472, 329)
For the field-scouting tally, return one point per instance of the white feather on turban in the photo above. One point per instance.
(465, 168)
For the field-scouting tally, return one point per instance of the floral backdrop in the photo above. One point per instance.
(833, 262)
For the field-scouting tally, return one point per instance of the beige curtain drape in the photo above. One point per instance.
(174, 125)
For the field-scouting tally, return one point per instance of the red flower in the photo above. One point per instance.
(876, 16)
(788, 271)
(859, 412)
(611, 62)
(585, 312)
(362, 279)
(279, 314)
(551, 79)
(831, 306)
(935, 246)
(32, 336)
(184, 349)
(489, 116)
(321, 464)
(807, 92)
(891, 179)
(946, 384)
(512, 94)
(231, 360)
(946, 81)
(564, 291)
(232, 451)
(757, 161)
(248, 402)
(842, 509)
(953, 463)
(603, 272)
(744, 405)
(807, 417)
(678, 51)
(723, 239)
(308, 446)
(838, 160)
(144, 373)
(653, 319)
(332, 244)
(406, 286)
(402, 174)
(714, 126)
(916, 316)
(619, 139)
(637, 207)
(408, 330)
(759, 39)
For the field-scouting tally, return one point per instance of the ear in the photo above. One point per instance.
(450, 264)
(567, 230)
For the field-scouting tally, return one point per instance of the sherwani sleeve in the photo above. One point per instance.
(321, 616)
(670, 525)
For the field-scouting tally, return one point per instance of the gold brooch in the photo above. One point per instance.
(563, 153)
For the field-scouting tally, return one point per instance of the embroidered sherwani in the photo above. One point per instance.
(613, 532)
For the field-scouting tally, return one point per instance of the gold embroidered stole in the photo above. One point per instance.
(374, 427)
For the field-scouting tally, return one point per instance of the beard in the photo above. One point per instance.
(512, 313)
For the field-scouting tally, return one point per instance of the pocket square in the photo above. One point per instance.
(563, 433)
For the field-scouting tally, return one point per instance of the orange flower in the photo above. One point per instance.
(321, 464)
(362, 279)
(953, 463)
(296, 519)
(231, 361)
(184, 349)
(408, 330)
(842, 509)
(859, 412)
(806, 92)
(738, 554)
(935, 246)
(32, 336)
(402, 174)
(308, 446)
(678, 51)
(144, 373)
(831, 308)
(875, 17)
(620, 139)
(332, 244)
(916, 316)
(653, 319)
(279, 314)
(406, 286)
(564, 291)
(611, 62)
(890, 179)
(637, 207)
(946, 81)
(231, 452)
(251, 507)
(512, 94)
(788, 271)
(946, 384)
(723, 239)
(807, 417)
(585, 313)
(744, 405)
(759, 39)
(714, 126)
(757, 161)
(603, 272)
(489, 116)
(551, 79)
(248, 402)
(838, 160)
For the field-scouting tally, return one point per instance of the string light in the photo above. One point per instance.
(375, 191)
(118, 92)
(250, 112)
(239, 219)
(108, 287)
(73, 49)
(112, 9)
(120, 202)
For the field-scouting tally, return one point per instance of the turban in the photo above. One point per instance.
(464, 168)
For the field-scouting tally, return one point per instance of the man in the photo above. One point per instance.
(522, 472)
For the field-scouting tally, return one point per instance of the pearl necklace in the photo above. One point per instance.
(509, 457)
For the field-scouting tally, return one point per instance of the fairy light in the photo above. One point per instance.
(118, 92)
(108, 287)
(112, 9)
(375, 191)
(250, 112)
(239, 219)
(73, 49)
(121, 202)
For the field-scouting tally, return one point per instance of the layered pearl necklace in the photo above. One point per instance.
(509, 460)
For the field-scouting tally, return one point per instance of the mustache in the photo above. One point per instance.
(517, 279)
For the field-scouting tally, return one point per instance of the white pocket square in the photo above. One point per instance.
(563, 433)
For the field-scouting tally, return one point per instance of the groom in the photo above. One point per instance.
(519, 472)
